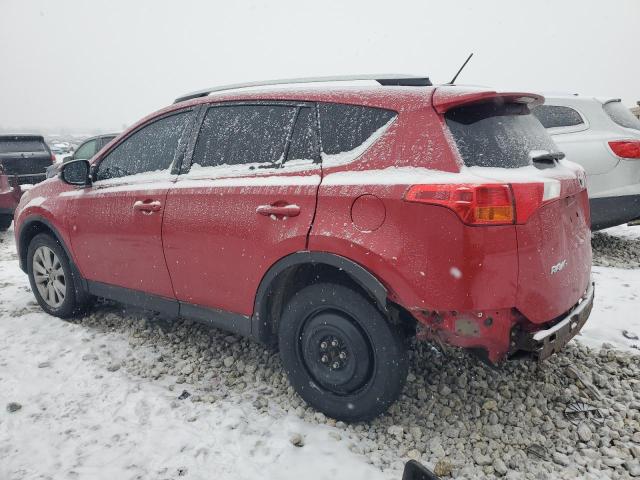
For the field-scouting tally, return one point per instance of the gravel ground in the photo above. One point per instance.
(615, 251)
(458, 416)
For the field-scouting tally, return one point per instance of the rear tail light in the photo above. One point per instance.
(53, 158)
(491, 204)
(626, 148)
(474, 204)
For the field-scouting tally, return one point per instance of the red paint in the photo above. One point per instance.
(10, 193)
(211, 241)
(219, 245)
(117, 242)
(367, 213)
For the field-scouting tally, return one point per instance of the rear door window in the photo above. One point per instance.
(344, 128)
(621, 115)
(153, 148)
(13, 145)
(244, 134)
(503, 135)
(554, 116)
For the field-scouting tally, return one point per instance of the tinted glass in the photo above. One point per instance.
(346, 127)
(304, 141)
(621, 115)
(104, 141)
(497, 135)
(152, 148)
(86, 150)
(241, 134)
(21, 146)
(552, 116)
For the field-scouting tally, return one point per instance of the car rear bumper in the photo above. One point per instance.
(544, 343)
(611, 211)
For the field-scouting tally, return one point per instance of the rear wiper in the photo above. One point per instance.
(547, 157)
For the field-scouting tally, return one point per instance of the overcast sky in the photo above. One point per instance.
(100, 65)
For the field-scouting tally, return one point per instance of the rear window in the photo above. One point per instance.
(554, 116)
(343, 128)
(12, 145)
(497, 134)
(621, 115)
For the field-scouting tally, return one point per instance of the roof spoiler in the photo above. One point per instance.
(382, 79)
(449, 97)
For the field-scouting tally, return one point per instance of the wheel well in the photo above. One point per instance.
(296, 277)
(27, 234)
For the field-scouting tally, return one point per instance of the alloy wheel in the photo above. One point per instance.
(49, 276)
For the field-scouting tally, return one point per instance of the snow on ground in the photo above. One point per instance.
(616, 309)
(100, 398)
(82, 417)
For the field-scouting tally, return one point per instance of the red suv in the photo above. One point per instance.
(331, 221)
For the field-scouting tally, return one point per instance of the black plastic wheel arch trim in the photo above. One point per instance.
(25, 227)
(260, 328)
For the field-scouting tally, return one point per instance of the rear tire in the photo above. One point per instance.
(55, 282)
(342, 356)
(5, 222)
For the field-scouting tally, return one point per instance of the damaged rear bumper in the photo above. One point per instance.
(544, 343)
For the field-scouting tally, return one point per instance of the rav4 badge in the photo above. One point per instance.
(558, 266)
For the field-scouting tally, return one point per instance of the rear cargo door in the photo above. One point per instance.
(501, 141)
(25, 156)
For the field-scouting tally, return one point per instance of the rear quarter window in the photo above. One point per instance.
(621, 115)
(554, 116)
(344, 128)
(493, 134)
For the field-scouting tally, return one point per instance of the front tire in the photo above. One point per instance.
(342, 356)
(54, 281)
(5, 222)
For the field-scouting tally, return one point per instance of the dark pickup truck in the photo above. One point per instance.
(23, 161)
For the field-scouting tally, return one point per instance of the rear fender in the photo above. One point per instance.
(261, 323)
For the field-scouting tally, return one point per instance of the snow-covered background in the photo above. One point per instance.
(103, 397)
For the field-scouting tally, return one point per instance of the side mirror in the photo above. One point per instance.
(76, 172)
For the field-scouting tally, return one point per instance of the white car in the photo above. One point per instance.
(604, 137)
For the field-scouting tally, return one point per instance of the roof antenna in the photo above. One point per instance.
(463, 65)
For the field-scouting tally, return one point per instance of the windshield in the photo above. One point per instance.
(621, 115)
(492, 134)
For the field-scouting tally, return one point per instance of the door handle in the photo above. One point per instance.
(279, 210)
(148, 206)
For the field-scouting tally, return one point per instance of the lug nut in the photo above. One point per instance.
(334, 343)
(323, 345)
(324, 359)
(343, 355)
(336, 365)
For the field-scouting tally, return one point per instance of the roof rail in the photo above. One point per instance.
(382, 79)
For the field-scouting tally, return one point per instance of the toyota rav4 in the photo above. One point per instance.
(331, 221)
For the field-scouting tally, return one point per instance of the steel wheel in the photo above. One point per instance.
(335, 351)
(49, 276)
(340, 353)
